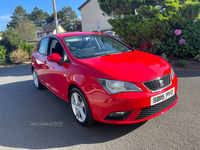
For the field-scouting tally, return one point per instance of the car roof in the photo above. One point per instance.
(67, 34)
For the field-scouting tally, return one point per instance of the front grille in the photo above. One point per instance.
(158, 84)
(147, 112)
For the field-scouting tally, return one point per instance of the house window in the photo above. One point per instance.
(47, 33)
(40, 35)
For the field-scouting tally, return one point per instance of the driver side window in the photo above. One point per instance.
(57, 48)
(65, 58)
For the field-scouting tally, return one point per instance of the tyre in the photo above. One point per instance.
(36, 80)
(80, 107)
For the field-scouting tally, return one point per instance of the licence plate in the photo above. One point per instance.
(162, 97)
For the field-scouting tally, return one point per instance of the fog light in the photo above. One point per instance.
(121, 115)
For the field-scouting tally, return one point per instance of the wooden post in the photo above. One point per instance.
(55, 16)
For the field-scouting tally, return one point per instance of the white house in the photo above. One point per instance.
(91, 14)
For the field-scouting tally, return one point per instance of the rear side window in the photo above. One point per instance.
(43, 45)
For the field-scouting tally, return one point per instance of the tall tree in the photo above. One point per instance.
(50, 20)
(68, 18)
(17, 16)
(38, 16)
(117, 8)
(27, 29)
(76, 22)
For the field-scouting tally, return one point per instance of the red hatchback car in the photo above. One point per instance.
(104, 79)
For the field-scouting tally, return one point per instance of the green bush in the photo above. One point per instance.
(197, 57)
(28, 47)
(19, 56)
(134, 30)
(151, 22)
(190, 33)
(11, 39)
(183, 63)
(2, 55)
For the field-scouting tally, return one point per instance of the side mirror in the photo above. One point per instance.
(54, 58)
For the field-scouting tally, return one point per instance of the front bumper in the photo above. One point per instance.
(145, 114)
(138, 103)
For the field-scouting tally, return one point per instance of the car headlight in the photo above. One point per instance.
(172, 73)
(114, 87)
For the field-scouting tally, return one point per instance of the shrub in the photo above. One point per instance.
(197, 57)
(186, 44)
(19, 56)
(11, 39)
(183, 63)
(28, 47)
(2, 55)
(138, 22)
(146, 48)
(136, 31)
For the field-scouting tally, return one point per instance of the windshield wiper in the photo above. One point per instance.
(106, 54)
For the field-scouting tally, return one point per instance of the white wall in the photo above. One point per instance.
(90, 15)
(61, 30)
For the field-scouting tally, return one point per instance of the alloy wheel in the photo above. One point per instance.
(35, 78)
(78, 107)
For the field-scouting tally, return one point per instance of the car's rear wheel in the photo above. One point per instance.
(36, 80)
(80, 107)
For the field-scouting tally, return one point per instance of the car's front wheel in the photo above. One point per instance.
(80, 107)
(36, 80)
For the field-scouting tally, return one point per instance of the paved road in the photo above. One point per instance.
(27, 116)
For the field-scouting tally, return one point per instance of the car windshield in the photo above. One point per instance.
(94, 45)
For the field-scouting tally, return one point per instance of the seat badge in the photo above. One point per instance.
(161, 83)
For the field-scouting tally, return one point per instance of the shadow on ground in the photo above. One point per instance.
(22, 104)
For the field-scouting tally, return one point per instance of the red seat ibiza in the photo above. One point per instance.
(104, 79)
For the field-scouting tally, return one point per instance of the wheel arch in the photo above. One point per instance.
(32, 68)
(91, 120)
(69, 90)
(71, 86)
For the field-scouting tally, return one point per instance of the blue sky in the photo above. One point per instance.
(7, 7)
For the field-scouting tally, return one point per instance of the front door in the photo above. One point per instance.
(54, 76)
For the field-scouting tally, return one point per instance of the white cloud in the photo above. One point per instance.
(5, 17)
(79, 17)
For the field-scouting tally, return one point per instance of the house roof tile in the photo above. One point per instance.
(49, 28)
